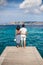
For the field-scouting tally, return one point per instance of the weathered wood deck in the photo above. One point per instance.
(21, 56)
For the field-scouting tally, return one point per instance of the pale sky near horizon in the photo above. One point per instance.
(21, 10)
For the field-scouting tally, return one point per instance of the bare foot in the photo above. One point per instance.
(17, 46)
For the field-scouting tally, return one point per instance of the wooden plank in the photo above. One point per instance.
(21, 56)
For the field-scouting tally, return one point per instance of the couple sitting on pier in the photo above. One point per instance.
(21, 36)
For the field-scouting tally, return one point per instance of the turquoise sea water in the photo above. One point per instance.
(34, 37)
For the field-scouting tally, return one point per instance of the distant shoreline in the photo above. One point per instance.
(26, 23)
(21, 24)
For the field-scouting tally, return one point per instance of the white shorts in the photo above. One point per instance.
(23, 37)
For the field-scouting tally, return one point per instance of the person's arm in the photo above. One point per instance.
(26, 32)
(20, 31)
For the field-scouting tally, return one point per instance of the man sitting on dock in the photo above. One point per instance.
(23, 31)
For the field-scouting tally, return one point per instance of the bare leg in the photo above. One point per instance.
(21, 43)
(24, 44)
(17, 46)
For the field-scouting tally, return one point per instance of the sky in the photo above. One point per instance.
(21, 10)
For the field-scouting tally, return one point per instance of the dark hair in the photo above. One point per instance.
(18, 27)
(23, 25)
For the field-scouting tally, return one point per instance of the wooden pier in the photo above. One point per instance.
(20, 56)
